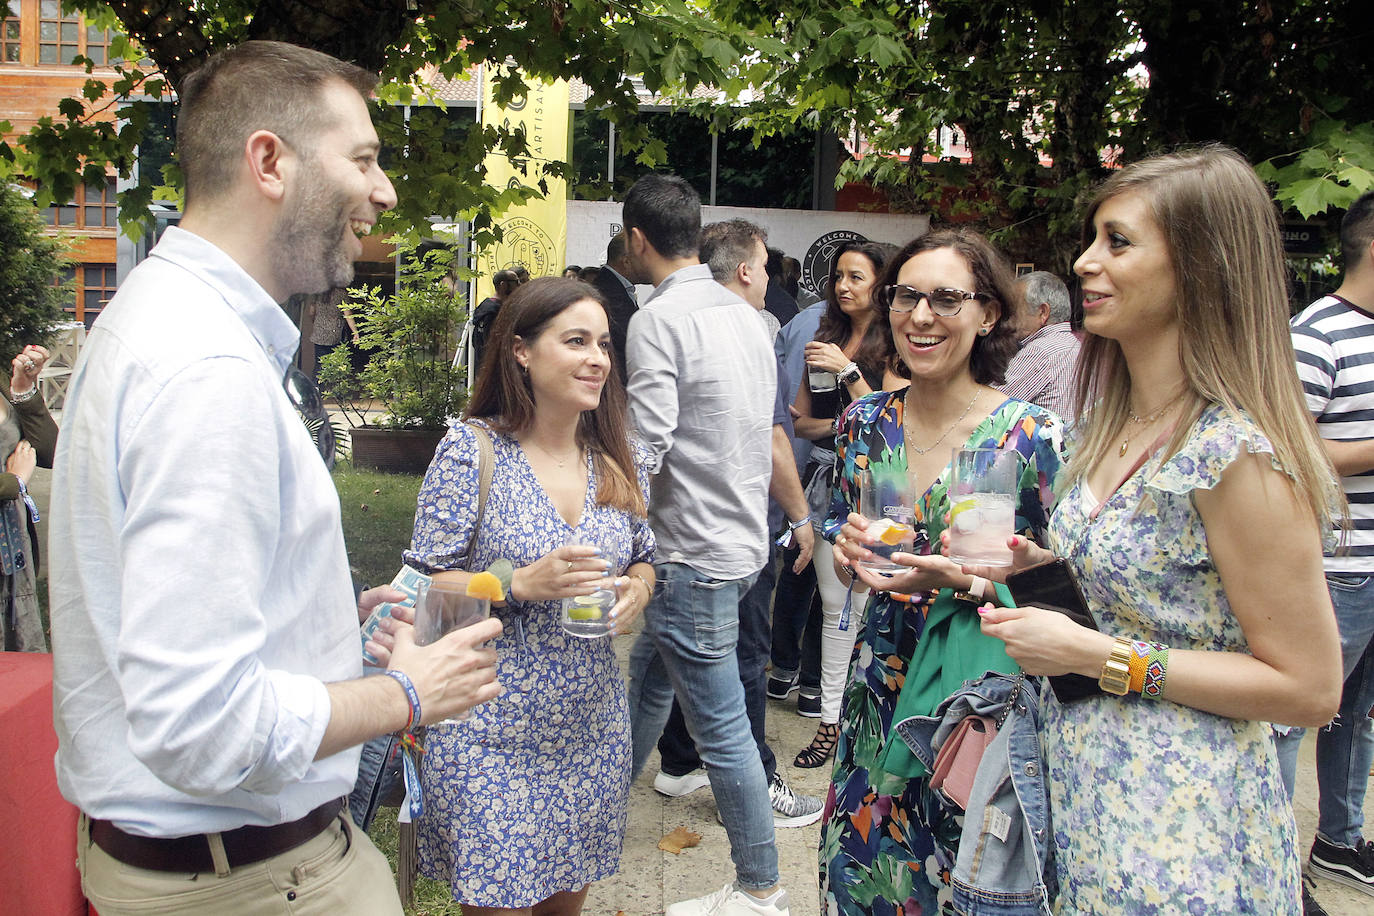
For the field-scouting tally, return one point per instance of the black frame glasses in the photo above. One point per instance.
(304, 395)
(945, 301)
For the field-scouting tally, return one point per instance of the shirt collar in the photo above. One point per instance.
(681, 275)
(1049, 330)
(264, 318)
(630, 287)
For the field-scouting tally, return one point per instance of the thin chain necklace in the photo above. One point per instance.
(561, 462)
(1135, 421)
(921, 451)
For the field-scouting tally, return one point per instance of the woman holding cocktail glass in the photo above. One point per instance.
(943, 299)
(851, 356)
(1193, 515)
(526, 801)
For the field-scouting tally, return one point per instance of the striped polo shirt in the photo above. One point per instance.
(1334, 343)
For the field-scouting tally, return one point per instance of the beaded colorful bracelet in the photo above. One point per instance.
(1156, 667)
(1149, 663)
(412, 696)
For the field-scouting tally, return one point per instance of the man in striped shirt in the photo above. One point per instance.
(1043, 371)
(1334, 343)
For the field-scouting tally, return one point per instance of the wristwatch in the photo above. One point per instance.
(1116, 670)
(849, 374)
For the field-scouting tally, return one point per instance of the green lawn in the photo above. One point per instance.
(378, 516)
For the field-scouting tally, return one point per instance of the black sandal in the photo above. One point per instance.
(821, 747)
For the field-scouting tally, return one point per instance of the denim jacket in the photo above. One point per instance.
(1004, 865)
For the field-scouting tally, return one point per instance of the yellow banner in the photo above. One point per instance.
(535, 234)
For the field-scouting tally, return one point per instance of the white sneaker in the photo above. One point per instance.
(731, 901)
(678, 786)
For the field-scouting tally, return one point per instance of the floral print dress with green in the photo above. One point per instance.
(887, 845)
(1160, 808)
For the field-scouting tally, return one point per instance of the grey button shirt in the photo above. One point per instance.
(702, 380)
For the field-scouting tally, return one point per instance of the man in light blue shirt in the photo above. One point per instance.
(208, 696)
(702, 386)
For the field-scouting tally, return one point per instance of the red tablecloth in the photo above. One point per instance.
(37, 826)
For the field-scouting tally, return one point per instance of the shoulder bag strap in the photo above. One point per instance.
(486, 464)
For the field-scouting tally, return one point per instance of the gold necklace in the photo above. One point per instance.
(1135, 420)
(921, 451)
(561, 462)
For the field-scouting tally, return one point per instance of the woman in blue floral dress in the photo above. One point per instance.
(886, 845)
(526, 801)
(1192, 514)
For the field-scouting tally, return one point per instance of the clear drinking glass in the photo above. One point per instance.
(888, 500)
(818, 380)
(441, 608)
(589, 616)
(982, 505)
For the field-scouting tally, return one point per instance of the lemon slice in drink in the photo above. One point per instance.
(584, 607)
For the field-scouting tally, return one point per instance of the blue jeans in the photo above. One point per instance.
(676, 751)
(688, 648)
(1346, 748)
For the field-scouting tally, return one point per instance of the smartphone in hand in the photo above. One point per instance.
(1052, 585)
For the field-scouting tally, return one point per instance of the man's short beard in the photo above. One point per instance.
(307, 242)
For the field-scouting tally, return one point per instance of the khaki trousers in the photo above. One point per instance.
(339, 871)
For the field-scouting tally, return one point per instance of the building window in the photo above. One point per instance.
(62, 37)
(9, 35)
(92, 286)
(93, 208)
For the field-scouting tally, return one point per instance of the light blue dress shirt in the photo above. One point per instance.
(200, 591)
(702, 386)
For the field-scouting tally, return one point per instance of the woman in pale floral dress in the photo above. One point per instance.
(1192, 513)
(526, 801)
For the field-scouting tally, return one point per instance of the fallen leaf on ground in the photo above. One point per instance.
(681, 838)
(376, 491)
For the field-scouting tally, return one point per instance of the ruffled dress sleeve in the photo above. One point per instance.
(1219, 438)
(447, 505)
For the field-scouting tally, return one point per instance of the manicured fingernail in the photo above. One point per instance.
(985, 608)
(1016, 542)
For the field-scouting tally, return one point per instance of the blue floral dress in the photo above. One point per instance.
(1160, 808)
(529, 796)
(887, 845)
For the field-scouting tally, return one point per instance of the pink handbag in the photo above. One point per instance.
(957, 762)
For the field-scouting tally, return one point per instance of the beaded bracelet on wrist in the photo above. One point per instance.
(26, 396)
(1149, 665)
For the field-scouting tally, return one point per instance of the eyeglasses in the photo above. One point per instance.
(944, 301)
(304, 395)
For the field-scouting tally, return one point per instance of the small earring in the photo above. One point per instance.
(524, 369)
(983, 332)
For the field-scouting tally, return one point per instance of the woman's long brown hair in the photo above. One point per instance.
(504, 399)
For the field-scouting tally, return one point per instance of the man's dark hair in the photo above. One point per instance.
(668, 211)
(1357, 230)
(506, 278)
(615, 248)
(258, 85)
(774, 266)
(728, 244)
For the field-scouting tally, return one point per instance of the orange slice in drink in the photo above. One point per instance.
(895, 534)
(485, 585)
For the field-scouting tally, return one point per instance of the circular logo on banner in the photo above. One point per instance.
(819, 263)
(523, 244)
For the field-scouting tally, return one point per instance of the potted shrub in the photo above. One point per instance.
(412, 338)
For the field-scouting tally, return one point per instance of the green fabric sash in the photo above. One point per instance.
(952, 649)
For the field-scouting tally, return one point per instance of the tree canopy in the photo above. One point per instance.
(30, 305)
(1046, 94)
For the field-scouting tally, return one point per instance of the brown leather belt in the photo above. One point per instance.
(242, 846)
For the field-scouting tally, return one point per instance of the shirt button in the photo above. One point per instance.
(271, 350)
(290, 895)
(1032, 769)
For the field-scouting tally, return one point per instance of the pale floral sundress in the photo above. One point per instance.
(1160, 808)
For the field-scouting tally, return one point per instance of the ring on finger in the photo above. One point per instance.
(570, 566)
